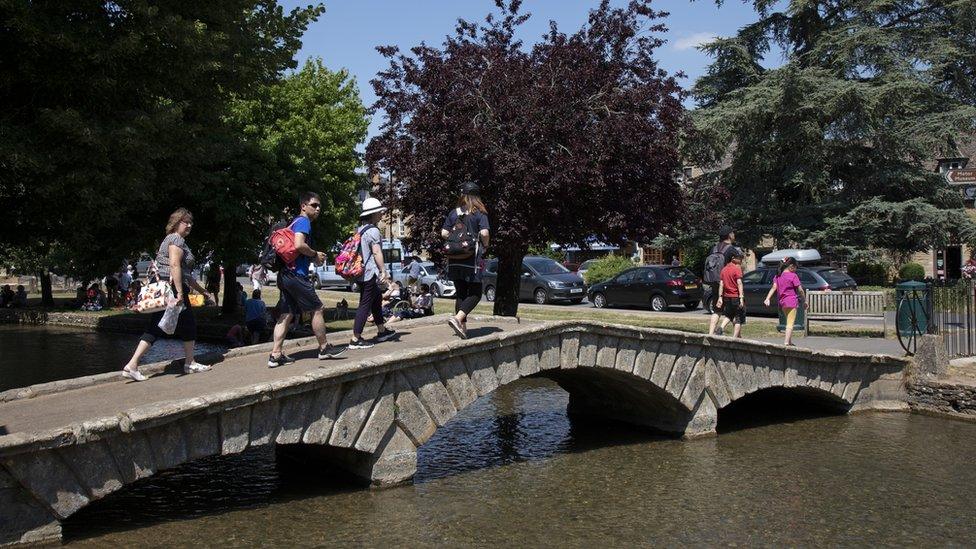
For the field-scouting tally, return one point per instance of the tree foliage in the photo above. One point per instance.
(572, 137)
(846, 129)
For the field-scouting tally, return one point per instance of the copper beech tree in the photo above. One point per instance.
(570, 138)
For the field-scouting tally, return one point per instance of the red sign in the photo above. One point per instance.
(961, 177)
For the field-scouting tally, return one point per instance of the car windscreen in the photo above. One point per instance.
(545, 266)
(834, 276)
(681, 272)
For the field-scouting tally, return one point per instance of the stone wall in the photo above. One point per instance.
(372, 416)
(957, 400)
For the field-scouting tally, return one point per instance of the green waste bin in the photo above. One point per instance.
(799, 324)
(912, 316)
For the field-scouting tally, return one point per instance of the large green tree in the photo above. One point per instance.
(114, 113)
(870, 93)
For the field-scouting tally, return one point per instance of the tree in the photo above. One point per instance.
(571, 138)
(114, 113)
(870, 92)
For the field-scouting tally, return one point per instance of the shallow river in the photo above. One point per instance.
(514, 470)
(37, 354)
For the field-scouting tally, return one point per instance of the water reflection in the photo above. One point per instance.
(513, 469)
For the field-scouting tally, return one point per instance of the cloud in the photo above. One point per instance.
(692, 41)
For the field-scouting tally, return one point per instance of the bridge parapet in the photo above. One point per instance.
(372, 416)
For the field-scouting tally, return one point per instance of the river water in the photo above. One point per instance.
(38, 354)
(514, 470)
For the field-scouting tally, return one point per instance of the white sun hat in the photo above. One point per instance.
(371, 206)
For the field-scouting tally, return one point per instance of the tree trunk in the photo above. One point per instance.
(230, 289)
(509, 280)
(47, 295)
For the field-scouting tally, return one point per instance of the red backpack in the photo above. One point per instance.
(282, 241)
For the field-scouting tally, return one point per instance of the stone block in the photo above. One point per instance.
(47, 477)
(549, 355)
(725, 362)
(482, 372)
(569, 351)
(396, 461)
(606, 354)
(428, 387)
(747, 370)
(528, 357)
(930, 356)
(506, 365)
(777, 370)
(168, 445)
(683, 366)
(22, 518)
(646, 355)
(664, 363)
(627, 354)
(133, 455)
(695, 385)
(264, 422)
(589, 344)
(843, 374)
(354, 410)
(293, 416)
(380, 417)
(458, 383)
(94, 466)
(202, 436)
(322, 414)
(704, 419)
(715, 384)
(411, 415)
(235, 430)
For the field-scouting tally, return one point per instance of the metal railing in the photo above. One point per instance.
(953, 316)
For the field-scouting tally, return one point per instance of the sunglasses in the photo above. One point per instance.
(314, 205)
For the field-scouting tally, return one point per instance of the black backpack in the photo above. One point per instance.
(714, 262)
(460, 243)
(269, 257)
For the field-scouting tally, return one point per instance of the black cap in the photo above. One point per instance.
(471, 188)
(724, 232)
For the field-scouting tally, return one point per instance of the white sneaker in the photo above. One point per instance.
(195, 367)
(134, 375)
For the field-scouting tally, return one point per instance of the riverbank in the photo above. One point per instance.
(952, 394)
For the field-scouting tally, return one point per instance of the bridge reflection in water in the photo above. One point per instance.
(370, 417)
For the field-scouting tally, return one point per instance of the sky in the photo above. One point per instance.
(347, 34)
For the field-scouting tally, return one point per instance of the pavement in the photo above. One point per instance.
(867, 345)
(108, 399)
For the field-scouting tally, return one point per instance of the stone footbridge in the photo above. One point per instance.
(68, 443)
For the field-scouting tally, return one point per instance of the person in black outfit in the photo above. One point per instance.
(466, 273)
(725, 245)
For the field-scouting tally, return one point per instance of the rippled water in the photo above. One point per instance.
(37, 354)
(514, 470)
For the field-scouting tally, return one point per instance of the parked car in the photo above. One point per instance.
(324, 277)
(584, 266)
(431, 275)
(823, 278)
(656, 286)
(543, 280)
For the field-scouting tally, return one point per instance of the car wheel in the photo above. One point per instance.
(691, 306)
(575, 301)
(658, 303)
(316, 283)
(540, 297)
(599, 300)
(490, 293)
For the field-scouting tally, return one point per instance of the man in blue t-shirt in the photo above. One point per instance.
(297, 294)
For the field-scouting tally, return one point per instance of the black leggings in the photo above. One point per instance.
(370, 301)
(186, 324)
(467, 297)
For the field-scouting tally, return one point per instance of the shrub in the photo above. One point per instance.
(911, 271)
(869, 274)
(606, 268)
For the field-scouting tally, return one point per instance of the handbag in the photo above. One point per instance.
(153, 297)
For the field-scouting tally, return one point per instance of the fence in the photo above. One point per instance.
(953, 316)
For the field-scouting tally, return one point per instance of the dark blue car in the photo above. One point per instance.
(654, 286)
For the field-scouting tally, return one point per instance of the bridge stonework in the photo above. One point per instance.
(371, 418)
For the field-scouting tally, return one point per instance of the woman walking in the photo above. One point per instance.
(174, 262)
(787, 285)
(374, 273)
(466, 272)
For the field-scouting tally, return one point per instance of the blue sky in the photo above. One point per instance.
(347, 34)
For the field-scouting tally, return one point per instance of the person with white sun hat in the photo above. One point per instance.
(374, 273)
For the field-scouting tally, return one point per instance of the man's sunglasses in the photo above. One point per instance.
(314, 205)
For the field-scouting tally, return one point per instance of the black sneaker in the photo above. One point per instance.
(274, 362)
(387, 335)
(359, 344)
(286, 359)
(331, 351)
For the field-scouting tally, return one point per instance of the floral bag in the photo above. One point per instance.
(349, 262)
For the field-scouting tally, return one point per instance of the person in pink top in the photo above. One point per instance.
(787, 285)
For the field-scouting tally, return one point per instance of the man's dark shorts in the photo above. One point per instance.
(712, 297)
(297, 294)
(733, 310)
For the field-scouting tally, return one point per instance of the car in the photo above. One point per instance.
(757, 283)
(324, 277)
(272, 277)
(143, 264)
(584, 266)
(654, 286)
(430, 274)
(543, 280)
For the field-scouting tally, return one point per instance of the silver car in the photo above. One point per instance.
(431, 275)
(325, 277)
